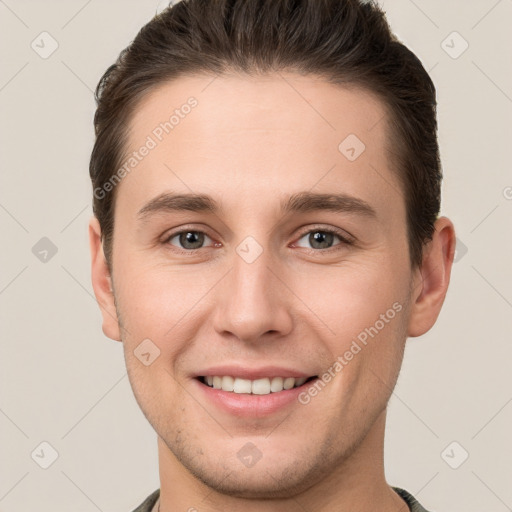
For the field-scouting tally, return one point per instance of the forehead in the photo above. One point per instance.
(260, 136)
(302, 105)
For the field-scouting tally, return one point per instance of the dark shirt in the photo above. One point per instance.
(414, 506)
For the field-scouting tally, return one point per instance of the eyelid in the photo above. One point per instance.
(345, 237)
(184, 229)
(341, 233)
(344, 243)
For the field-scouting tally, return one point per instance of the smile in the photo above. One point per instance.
(264, 386)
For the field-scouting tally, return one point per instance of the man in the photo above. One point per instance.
(266, 237)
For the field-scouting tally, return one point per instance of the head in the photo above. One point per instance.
(280, 121)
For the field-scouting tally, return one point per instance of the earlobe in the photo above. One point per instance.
(102, 282)
(432, 279)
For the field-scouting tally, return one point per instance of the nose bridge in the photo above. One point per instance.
(253, 300)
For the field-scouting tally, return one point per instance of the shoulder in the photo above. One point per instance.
(149, 502)
(414, 504)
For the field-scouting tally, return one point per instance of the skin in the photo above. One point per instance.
(249, 143)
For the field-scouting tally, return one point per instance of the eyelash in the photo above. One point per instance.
(342, 235)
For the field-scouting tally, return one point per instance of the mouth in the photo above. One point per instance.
(263, 386)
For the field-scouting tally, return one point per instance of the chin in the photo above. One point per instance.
(274, 476)
(252, 483)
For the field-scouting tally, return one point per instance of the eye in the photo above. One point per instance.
(322, 238)
(189, 239)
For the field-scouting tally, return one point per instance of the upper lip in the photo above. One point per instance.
(245, 372)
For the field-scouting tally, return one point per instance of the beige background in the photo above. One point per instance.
(64, 383)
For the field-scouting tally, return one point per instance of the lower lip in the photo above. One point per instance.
(249, 405)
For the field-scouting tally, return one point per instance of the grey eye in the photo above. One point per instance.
(189, 240)
(320, 239)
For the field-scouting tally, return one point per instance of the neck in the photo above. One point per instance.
(355, 483)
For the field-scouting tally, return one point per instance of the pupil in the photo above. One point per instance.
(321, 237)
(191, 237)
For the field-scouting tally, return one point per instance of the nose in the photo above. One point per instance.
(253, 301)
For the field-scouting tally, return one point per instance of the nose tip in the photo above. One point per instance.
(252, 303)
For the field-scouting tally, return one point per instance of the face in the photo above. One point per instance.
(295, 265)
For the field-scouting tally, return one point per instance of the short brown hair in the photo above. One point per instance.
(344, 41)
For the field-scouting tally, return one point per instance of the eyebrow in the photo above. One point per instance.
(301, 202)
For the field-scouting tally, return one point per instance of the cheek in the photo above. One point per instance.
(158, 300)
(363, 311)
(351, 296)
(150, 294)
(164, 305)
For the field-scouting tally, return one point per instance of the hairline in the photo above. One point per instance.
(393, 146)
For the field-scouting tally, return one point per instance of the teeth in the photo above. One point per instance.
(276, 384)
(242, 386)
(228, 383)
(288, 383)
(263, 386)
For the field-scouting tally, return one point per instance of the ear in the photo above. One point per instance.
(102, 282)
(432, 278)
